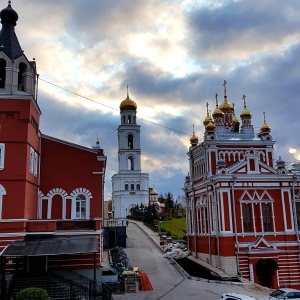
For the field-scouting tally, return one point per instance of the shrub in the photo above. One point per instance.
(32, 293)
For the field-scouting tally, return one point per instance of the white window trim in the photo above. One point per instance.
(2, 154)
(33, 163)
(87, 207)
(2, 193)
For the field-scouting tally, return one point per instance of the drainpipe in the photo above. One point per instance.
(217, 228)
(295, 213)
(235, 225)
(36, 87)
(39, 175)
(209, 227)
(194, 219)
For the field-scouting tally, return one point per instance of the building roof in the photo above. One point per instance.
(52, 246)
(9, 43)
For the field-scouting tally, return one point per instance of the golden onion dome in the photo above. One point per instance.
(128, 104)
(193, 139)
(218, 112)
(210, 126)
(206, 120)
(265, 127)
(226, 106)
(235, 120)
(245, 113)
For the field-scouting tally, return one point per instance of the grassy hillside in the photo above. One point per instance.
(176, 226)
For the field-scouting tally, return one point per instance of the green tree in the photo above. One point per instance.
(32, 293)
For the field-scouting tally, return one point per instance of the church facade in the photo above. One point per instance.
(130, 187)
(51, 190)
(243, 205)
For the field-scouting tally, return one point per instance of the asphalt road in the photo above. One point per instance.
(169, 283)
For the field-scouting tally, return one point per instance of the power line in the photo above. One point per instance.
(107, 106)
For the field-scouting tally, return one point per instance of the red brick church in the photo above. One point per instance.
(243, 205)
(51, 191)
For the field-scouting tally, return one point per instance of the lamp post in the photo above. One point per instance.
(159, 228)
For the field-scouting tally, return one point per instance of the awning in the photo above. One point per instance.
(52, 246)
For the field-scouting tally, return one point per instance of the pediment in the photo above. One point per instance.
(261, 245)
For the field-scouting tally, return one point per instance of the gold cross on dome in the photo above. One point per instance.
(224, 84)
(216, 96)
(244, 98)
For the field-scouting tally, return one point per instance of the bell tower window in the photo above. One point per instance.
(130, 141)
(22, 77)
(2, 73)
(130, 163)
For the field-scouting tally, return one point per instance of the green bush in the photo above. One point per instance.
(32, 293)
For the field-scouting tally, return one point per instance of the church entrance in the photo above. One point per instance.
(266, 272)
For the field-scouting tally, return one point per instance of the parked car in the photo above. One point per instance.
(236, 296)
(285, 294)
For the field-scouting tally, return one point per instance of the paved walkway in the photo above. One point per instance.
(169, 281)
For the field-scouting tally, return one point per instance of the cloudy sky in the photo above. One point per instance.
(174, 55)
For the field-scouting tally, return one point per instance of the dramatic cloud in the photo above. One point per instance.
(174, 55)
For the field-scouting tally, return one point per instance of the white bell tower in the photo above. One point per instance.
(130, 187)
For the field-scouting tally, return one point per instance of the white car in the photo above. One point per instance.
(236, 296)
(285, 294)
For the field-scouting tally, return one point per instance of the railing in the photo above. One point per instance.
(75, 287)
(114, 222)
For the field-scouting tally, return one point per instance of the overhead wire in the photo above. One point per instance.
(112, 108)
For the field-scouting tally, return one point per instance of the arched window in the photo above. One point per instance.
(266, 212)
(247, 218)
(21, 76)
(126, 187)
(81, 206)
(130, 141)
(138, 187)
(132, 187)
(130, 163)
(2, 73)
(129, 119)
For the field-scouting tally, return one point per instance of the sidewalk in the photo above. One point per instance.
(169, 285)
(154, 236)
